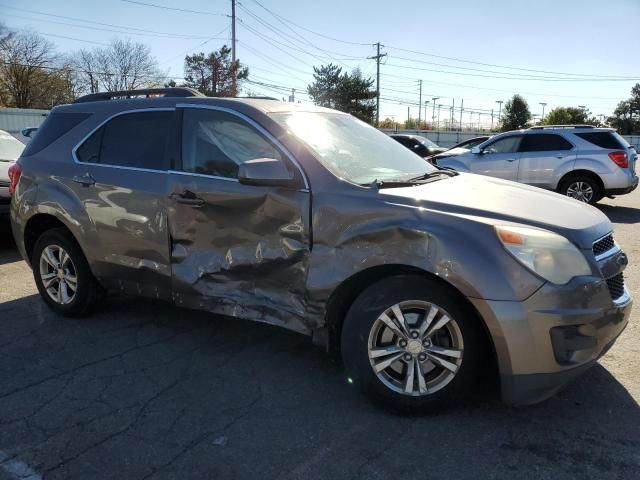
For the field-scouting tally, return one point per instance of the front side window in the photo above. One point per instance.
(216, 143)
(351, 149)
(137, 140)
(504, 145)
(544, 142)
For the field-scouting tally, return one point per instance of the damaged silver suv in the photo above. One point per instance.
(304, 217)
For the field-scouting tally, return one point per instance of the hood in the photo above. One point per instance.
(502, 202)
(453, 151)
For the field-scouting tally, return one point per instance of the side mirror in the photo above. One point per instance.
(29, 131)
(476, 150)
(264, 171)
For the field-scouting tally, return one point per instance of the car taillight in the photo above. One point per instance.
(620, 158)
(14, 175)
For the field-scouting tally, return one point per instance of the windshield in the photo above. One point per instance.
(427, 142)
(10, 147)
(351, 149)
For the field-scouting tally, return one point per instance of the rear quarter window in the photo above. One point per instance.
(608, 140)
(55, 125)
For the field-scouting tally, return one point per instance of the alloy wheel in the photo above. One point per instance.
(58, 274)
(415, 348)
(580, 191)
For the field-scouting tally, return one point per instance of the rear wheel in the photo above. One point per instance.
(583, 188)
(62, 274)
(410, 343)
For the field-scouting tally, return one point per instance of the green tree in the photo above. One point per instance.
(569, 116)
(351, 93)
(515, 114)
(214, 74)
(626, 116)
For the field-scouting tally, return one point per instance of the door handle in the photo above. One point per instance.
(187, 198)
(511, 159)
(85, 180)
(560, 156)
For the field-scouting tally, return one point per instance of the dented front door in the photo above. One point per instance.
(239, 250)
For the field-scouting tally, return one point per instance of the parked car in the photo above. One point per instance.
(307, 218)
(579, 161)
(418, 144)
(10, 150)
(460, 148)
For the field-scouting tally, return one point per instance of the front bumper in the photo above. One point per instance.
(553, 336)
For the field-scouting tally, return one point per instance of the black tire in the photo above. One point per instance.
(585, 179)
(377, 298)
(88, 292)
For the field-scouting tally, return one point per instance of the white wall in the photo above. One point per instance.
(13, 120)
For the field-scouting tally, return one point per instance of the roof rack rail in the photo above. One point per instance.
(259, 97)
(542, 127)
(143, 92)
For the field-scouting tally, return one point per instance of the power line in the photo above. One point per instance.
(308, 30)
(93, 27)
(489, 64)
(544, 79)
(511, 75)
(175, 9)
(74, 39)
(76, 19)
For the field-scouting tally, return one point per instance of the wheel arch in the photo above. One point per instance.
(345, 294)
(577, 173)
(40, 223)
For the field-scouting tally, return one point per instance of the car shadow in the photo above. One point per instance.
(8, 249)
(620, 214)
(145, 377)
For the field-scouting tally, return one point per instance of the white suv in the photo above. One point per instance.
(10, 150)
(579, 161)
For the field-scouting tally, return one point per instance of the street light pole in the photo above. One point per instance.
(499, 102)
(543, 105)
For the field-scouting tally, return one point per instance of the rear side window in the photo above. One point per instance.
(54, 126)
(606, 140)
(544, 142)
(137, 140)
(216, 143)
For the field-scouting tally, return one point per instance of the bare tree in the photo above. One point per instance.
(123, 65)
(29, 74)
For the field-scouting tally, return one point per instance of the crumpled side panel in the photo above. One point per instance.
(243, 255)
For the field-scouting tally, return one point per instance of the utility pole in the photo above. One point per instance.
(453, 108)
(233, 43)
(479, 125)
(420, 103)
(461, 110)
(292, 98)
(492, 119)
(439, 105)
(433, 111)
(377, 58)
(426, 103)
(408, 116)
(543, 105)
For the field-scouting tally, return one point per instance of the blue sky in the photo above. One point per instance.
(565, 37)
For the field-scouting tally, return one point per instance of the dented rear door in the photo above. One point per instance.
(239, 250)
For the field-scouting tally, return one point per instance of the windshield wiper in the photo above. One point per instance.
(437, 173)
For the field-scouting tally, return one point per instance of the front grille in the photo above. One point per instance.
(616, 286)
(603, 245)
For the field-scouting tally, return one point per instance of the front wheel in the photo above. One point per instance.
(410, 343)
(582, 188)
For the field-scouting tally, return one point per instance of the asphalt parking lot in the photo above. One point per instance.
(144, 390)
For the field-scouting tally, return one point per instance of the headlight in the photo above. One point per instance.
(547, 254)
